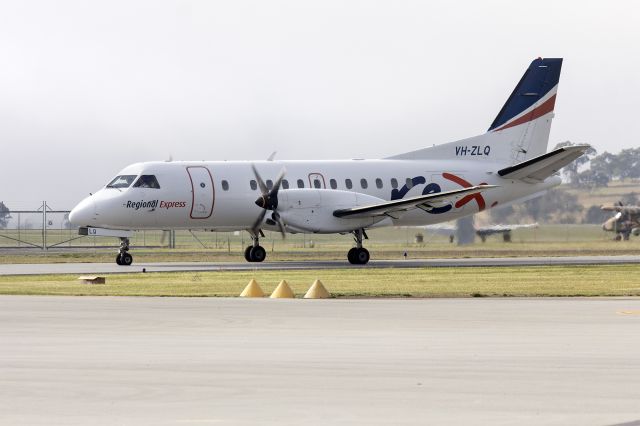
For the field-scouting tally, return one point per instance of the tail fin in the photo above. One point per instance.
(521, 129)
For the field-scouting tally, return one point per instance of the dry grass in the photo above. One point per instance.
(610, 280)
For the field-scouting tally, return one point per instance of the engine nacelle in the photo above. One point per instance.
(311, 210)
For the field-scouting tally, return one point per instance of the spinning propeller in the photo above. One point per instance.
(268, 201)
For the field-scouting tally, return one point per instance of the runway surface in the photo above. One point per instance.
(177, 361)
(112, 268)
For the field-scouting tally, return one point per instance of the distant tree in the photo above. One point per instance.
(607, 164)
(5, 215)
(502, 214)
(630, 199)
(593, 179)
(570, 171)
(629, 163)
(556, 205)
(595, 215)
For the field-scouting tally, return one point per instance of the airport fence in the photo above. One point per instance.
(45, 228)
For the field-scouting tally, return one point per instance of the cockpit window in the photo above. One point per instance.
(123, 181)
(147, 181)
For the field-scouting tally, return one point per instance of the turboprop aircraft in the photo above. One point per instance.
(422, 187)
(483, 232)
(625, 222)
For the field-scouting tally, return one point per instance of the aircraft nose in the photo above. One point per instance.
(83, 213)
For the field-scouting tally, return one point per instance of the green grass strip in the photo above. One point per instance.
(603, 280)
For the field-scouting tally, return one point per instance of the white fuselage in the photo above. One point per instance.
(220, 195)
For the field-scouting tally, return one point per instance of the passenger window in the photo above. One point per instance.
(121, 181)
(333, 183)
(409, 183)
(316, 184)
(348, 184)
(253, 184)
(394, 183)
(363, 183)
(225, 185)
(300, 183)
(379, 183)
(285, 184)
(147, 181)
(269, 184)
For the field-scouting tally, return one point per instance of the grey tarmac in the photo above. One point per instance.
(182, 361)
(112, 268)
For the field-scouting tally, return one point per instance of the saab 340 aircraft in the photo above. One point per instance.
(437, 184)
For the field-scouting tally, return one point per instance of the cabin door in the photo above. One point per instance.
(202, 192)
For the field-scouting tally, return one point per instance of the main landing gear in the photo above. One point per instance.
(255, 252)
(124, 258)
(358, 255)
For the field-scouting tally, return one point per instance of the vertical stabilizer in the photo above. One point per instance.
(526, 116)
(521, 129)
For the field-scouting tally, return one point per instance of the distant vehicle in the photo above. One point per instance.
(625, 222)
(481, 231)
(431, 185)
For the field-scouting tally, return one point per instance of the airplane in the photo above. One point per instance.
(624, 223)
(483, 232)
(431, 185)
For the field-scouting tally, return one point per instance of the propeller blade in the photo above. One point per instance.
(276, 185)
(258, 223)
(281, 226)
(261, 184)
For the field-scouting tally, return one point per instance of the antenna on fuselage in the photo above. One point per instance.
(272, 156)
(170, 159)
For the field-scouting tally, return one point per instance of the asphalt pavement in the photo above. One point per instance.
(112, 268)
(181, 361)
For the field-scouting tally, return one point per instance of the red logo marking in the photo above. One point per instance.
(464, 200)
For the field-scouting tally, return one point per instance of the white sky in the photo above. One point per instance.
(89, 87)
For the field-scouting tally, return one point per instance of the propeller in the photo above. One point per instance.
(268, 201)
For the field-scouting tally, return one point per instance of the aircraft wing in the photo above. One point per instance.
(624, 209)
(541, 167)
(493, 229)
(396, 208)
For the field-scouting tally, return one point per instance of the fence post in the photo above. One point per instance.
(44, 225)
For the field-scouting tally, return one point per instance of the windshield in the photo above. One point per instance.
(147, 181)
(122, 181)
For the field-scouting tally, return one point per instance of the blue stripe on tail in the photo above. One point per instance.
(541, 76)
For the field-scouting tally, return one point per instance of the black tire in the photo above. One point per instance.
(126, 259)
(362, 256)
(247, 254)
(118, 261)
(258, 254)
(351, 255)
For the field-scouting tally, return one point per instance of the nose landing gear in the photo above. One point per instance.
(358, 255)
(124, 258)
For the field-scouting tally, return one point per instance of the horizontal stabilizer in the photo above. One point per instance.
(539, 168)
(395, 208)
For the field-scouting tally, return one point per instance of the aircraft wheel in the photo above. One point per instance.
(258, 254)
(247, 254)
(358, 256)
(351, 255)
(362, 256)
(118, 261)
(126, 259)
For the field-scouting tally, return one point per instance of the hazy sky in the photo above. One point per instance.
(89, 87)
